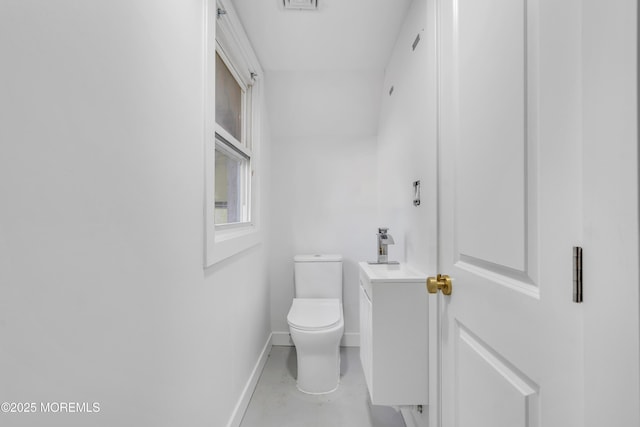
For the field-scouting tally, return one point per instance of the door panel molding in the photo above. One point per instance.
(515, 398)
(513, 279)
(496, 223)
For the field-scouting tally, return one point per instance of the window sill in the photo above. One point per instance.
(230, 242)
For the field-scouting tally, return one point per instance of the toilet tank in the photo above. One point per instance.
(318, 276)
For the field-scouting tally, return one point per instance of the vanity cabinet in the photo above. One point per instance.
(394, 337)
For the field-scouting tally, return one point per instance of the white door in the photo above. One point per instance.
(509, 212)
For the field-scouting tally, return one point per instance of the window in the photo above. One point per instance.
(231, 185)
(232, 152)
(229, 100)
(232, 136)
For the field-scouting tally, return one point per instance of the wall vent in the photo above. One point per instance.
(301, 4)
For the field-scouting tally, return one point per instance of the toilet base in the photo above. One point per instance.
(318, 356)
(318, 375)
(317, 393)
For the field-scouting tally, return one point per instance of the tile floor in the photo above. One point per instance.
(277, 402)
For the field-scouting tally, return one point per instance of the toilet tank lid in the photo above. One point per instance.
(317, 258)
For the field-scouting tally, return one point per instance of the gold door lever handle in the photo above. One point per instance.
(442, 282)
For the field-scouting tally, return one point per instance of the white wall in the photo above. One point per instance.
(103, 293)
(323, 189)
(407, 142)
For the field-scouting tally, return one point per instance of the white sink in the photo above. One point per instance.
(392, 273)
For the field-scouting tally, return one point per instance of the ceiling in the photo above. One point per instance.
(342, 34)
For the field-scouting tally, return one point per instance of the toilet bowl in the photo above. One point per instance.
(316, 326)
(316, 322)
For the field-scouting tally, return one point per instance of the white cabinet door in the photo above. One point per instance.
(394, 341)
(509, 186)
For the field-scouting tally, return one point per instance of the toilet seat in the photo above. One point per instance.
(313, 314)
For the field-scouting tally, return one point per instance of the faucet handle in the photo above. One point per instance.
(383, 230)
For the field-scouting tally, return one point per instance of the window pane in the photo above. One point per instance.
(229, 188)
(228, 100)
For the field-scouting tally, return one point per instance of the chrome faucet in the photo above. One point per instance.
(384, 240)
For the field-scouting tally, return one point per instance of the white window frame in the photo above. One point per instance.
(226, 36)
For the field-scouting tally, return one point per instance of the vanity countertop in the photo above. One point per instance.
(391, 273)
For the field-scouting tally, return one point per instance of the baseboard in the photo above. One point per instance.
(349, 339)
(281, 339)
(245, 397)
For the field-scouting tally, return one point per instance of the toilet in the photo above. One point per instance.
(316, 322)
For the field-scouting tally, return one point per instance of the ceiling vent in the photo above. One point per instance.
(301, 4)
